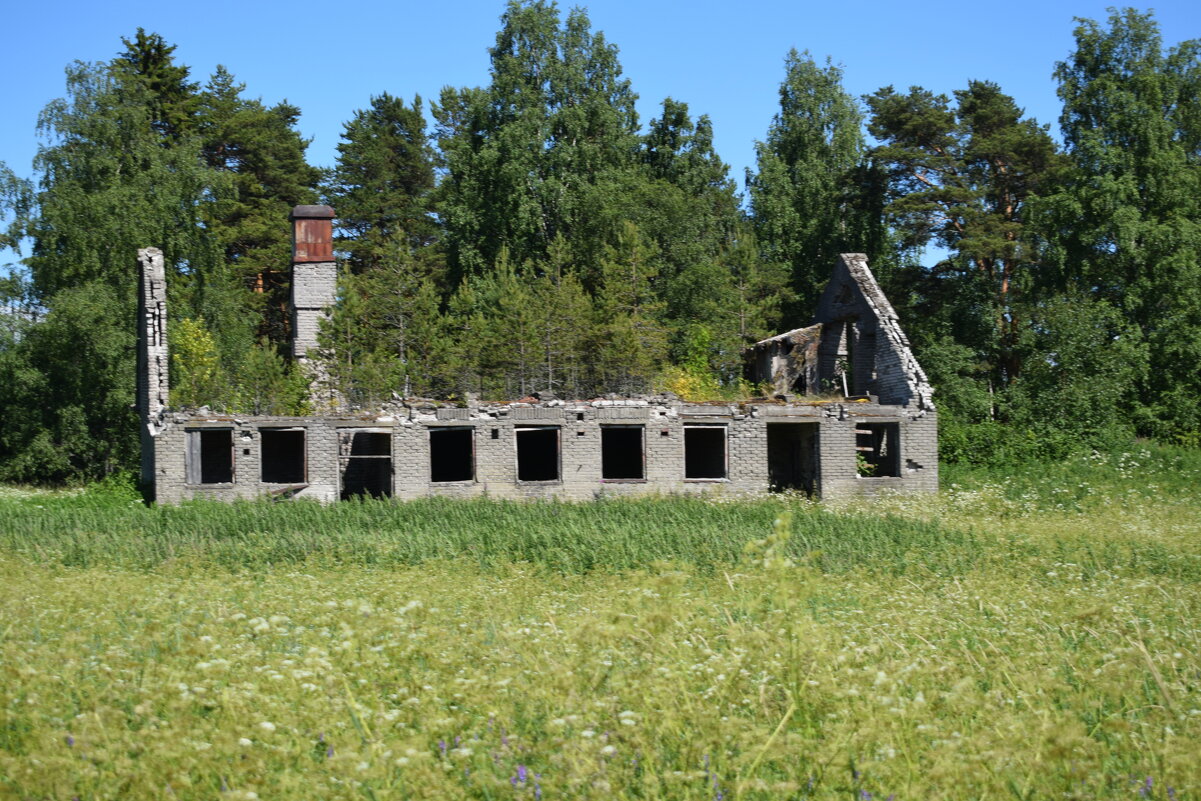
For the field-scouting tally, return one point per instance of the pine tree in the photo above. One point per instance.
(258, 150)
(964, 178)
(630, 341)
(382, 185)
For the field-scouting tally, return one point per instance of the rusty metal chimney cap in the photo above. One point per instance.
(312, 213)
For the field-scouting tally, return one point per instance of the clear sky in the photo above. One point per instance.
(723, 59)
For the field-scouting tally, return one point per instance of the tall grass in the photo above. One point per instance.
(1014, 637)
(563, 537)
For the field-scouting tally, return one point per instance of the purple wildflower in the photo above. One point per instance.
(537, 787)
(442, 747)
(329, 752)
(70, 741)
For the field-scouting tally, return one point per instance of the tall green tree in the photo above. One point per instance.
(110, 180)
(1127, 230)
(537, 153)
(964, 177)
(803, 195)
(136, 155)
(260, 155)
(147, 66)
(383, 183)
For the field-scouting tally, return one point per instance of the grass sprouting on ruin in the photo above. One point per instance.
(1024, 635)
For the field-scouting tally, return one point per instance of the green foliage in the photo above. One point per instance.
(804, 195)
(1127, 227)
(260, 155)
(382, 185)
(197, 376)
(963, 177)
(534, 156)
(67, 387)
(138, 155)
(268, 384)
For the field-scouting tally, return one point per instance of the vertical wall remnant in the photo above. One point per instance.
(153, 357)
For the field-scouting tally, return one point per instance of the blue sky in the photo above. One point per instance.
(723, 59)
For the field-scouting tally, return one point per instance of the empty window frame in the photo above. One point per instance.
(452, 454)
(705, 452)
(538, 453)
(878, 450)
(210, 456)
(366, 462)
(282, 456)
(623, 457)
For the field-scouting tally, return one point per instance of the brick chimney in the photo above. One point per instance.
(314, 275)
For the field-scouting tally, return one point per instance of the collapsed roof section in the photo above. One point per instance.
(855, 348)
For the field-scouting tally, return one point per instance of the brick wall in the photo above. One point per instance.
(494, 438)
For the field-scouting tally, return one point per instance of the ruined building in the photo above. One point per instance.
(849, 412)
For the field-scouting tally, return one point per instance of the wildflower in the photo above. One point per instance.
(242, 741)
(608, 750)
(267, 726)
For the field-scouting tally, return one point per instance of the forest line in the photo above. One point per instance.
(531, 235)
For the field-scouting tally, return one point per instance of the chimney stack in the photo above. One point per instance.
(314, 274)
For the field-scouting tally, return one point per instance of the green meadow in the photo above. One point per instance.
(1030, 633)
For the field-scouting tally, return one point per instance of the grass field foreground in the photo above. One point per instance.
(1005, 640)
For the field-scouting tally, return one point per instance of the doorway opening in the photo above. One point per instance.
(792, 456)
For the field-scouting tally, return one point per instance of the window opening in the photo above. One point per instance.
(622, 454)
(705, 452)
(877, 450)
(210, 456)
(538, 454)
(452, 454)
(366, 461)
(282, 455)
(792, 456)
